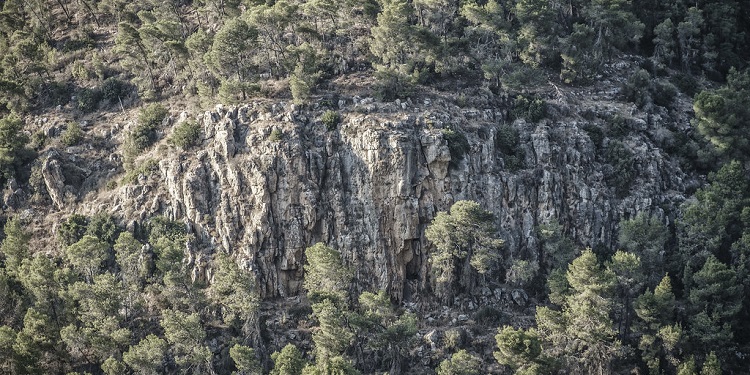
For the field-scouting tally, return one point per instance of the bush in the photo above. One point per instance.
(73, 134)
(664, 93)
(595, 133)
(637, 88)
(148, 167)
(391, 84)
(144, 134)
(507, 140)
(530, 108)
(186, 135)
(458, 146)
(88, 99)
(489, 316)
(330, 119)
(642, 90)
(13, 141)
(275, 135)
(103, 227)
(72, 230)
(623, 167)
(686, 83)
(112, 89)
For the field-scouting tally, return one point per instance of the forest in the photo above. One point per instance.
(106, 297)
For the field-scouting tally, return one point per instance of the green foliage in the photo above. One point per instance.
(557, 249)
(517, 348)
(276, 135)
(147, 357)
(582, 335)
(392, 84)
(113, 90)
(643, 90)
(623, 173)
(331, 119)
(13, 141)
(333, 336)
(521, 272)
(714, 220)
(460, 363)
(531, 108)
(715, 300)
(88, 99)
(234, 291)
(15, 246)
(186, 135)
(72, 229)
(288, 361)
(87, 255)
(245, 360)
(185, 336)
(326, 277)
(465, 238)
(458, 146)
(507, 141)
(399, 47)
(722, 115)
(645, 236)
(384, 329)
(149, 119)
(72, 135)
(103, 227)
(711, 365)
(147, 168)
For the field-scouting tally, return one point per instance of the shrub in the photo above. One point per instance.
(13, 141)
(664, 93)
(103, 227)
(38, 140)
(642, 90)
(112, 89)
(637, 88)
(275, 135)
(72, 229)
(489, 316)
(73, 134)
(507, 140)
(144, 134)
(88, 99)
(521, 272)
(530, 108)
(595, 133)
(458, 146)
(186, 135)
(148, 167)
(331, 119)
(391, 84)
(686, 83)
(623, 167)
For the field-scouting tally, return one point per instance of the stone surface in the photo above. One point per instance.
(370, 187)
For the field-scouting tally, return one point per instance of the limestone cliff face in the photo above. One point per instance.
(371, 186)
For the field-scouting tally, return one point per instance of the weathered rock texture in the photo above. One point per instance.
(370, 187)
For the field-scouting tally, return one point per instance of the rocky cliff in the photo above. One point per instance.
(270, 179)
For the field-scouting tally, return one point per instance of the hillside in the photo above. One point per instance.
(308, 187)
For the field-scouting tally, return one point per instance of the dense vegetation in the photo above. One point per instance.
(668, 300)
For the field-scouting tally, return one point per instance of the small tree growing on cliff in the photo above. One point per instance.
(465, 238)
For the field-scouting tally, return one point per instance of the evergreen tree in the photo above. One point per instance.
(288, 361)
(465, 240)
(460, 363)
(723, 115)
(583, 335)
(15, 246)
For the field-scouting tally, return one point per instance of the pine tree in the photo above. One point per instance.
(465, 240)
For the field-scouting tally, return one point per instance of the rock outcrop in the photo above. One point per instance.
(371, 186)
